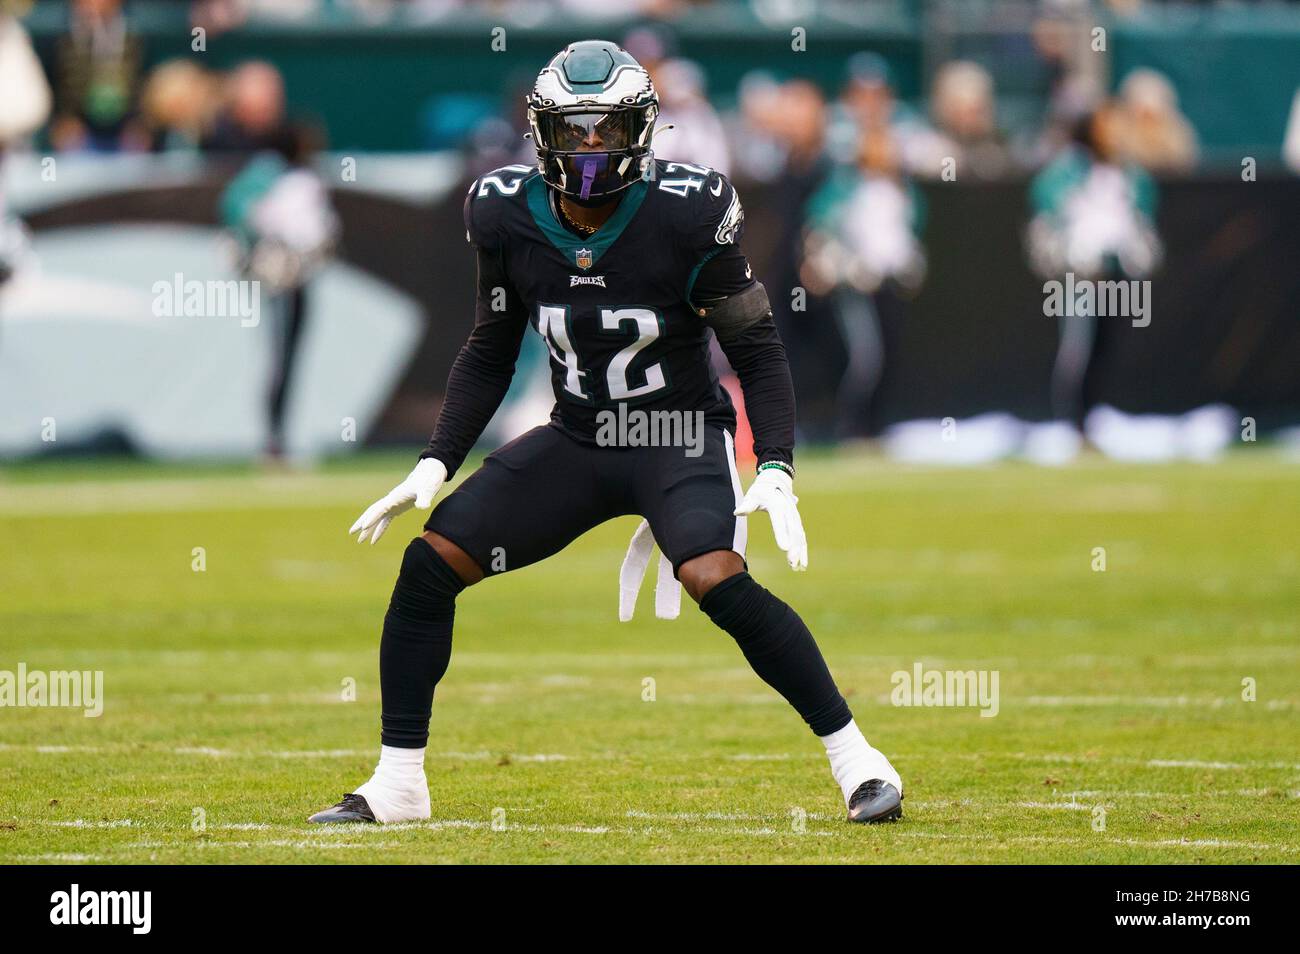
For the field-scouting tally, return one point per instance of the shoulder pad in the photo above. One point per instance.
(710, 213)
(484, 203)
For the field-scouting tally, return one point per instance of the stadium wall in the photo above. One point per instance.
(1225, 308)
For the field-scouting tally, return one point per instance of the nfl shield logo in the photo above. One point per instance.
(583, 257)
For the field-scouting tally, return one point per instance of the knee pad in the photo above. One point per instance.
(426, 585)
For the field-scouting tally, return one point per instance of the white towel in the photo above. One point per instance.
(668, 591)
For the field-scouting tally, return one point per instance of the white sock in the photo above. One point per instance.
(398, 791)
(854, 761)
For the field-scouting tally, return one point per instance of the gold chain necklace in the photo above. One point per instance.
(584, 229)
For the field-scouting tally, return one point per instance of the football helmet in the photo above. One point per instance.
(592, 113)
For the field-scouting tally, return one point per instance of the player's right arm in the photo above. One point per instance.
(479, 379)
(482, 371)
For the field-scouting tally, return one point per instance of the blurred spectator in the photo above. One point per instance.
(491, 144)
(868, 93)
(796, 117)
(23, 109)
(697, 134)
(1094, 218)
(278, 209)
(1291, 142)
(759, 153)
(493, 138)
(221, 16)
(863, 250)
(1159, 138)
(98, 73)
(964, 109)
(624, 9)
(179, 104)
(26, 102)
(868, 101)
(1062, 39)
(252, 113)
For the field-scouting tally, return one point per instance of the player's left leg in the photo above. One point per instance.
(693, 522)
(781, 650)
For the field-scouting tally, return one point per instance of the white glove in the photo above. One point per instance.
(773, 491)
(668, 592)
(417, 490)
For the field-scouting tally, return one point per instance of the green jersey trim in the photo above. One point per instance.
(593, 246)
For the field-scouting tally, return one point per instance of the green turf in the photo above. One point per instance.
(1119, 689)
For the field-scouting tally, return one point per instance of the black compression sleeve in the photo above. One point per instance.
(726, 272)
(726, 291)
(758, 357)
(481, 373)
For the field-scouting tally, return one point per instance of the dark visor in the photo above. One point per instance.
(588, 132)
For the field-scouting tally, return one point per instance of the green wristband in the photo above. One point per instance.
(777, 465)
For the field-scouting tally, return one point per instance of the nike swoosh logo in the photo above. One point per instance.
(718, 189)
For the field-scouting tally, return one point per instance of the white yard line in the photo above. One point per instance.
(255, 698)
(1199, 764)
(59, 856)
(759, 757)
(1116, 794)
(1145, 702)
(84, 823)
(547, 757)
(286, 843)
(323, 837)
(715, 816)
(172, 495)
(1101, 840)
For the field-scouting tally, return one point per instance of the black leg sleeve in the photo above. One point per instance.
(294, 305)
(416, 645)
(780, 649)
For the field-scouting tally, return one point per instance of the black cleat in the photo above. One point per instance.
(353, 808)
(875, 801)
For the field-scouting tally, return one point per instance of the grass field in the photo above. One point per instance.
(225, 724)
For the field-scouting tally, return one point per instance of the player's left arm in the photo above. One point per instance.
(736, 307)
(723, 292)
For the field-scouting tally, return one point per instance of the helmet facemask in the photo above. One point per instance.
(589, 151)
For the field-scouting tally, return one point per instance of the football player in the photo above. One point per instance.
(623, 264)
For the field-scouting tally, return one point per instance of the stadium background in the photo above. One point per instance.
(1141, 611)
(402, 92)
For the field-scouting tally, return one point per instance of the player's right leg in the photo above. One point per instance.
(530, 499)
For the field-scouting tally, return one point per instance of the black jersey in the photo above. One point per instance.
(613, 307)
(617, 309)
